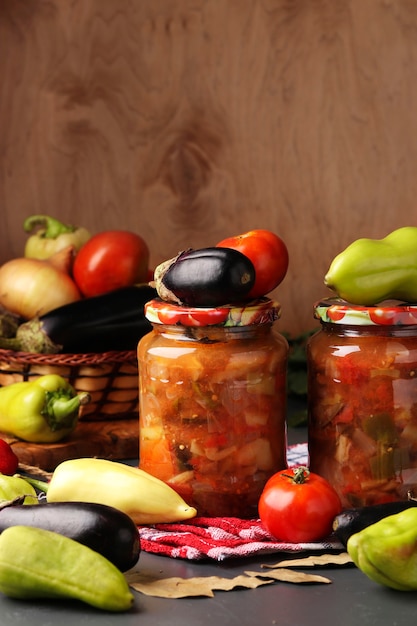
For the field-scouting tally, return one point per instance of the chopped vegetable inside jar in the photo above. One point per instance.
(363, 408)
(212, 413)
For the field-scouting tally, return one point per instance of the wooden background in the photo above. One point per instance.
(191, 120)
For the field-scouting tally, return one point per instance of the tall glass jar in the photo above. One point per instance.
(362, 390)
(212, 403)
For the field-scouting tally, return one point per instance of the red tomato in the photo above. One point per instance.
(298, 506)
(268, 254)
(110, 260)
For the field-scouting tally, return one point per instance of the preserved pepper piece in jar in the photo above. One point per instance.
(212, 403)
(362, 390)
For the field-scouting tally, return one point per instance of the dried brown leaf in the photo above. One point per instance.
(314, 561)
(290, 576)
(189, 587)
(176, 587)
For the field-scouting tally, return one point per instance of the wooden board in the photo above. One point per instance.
(117, 439)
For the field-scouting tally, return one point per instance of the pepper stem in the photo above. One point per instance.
(52, 227)
(39, 485)
(61, 410)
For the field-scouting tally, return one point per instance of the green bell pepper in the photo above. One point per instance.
(44, 410)
(53, 237)
(387, 550)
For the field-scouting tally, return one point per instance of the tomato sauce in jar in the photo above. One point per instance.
(362, 400)
(212, 403)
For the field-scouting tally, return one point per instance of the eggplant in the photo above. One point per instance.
(102, 528)
(208, 277)
(352, 521)
(111, 321)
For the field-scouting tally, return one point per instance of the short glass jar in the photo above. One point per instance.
(362, 400)
(212, 403)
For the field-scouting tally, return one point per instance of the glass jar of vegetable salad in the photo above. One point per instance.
(362, 400)
(212, 403)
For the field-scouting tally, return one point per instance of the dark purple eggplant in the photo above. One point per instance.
(111, 321)
(102, 528)
(352, 521)
(208, 277)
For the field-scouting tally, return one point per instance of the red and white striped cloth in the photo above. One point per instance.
(220, 538)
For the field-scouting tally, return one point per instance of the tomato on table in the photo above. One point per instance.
(111, 260)
(298, 506)
(269, 255)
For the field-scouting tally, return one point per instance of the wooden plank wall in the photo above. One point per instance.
(192, 120)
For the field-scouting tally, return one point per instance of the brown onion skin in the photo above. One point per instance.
(31, 287)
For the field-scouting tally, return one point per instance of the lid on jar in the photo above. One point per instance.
(262, 311)
(387, 313)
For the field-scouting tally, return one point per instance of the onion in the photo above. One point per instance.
(31, 287)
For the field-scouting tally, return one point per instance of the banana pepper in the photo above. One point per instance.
(146, 499)
(387, 550)
(52, 237)
(40, 564)
(14, 488)
(44, 410)
(369, 271)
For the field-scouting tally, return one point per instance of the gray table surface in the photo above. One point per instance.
(351, 599)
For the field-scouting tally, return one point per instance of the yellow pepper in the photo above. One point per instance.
(53, 237)
(44, 410)
(146, 499)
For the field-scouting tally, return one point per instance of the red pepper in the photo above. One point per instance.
(9, 462)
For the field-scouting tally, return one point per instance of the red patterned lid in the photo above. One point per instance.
(387, 313)
(262, 311)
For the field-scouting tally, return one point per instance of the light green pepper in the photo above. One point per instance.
(37, 563)
(387, 550)
(53, 237)
(369, 271)
(145, 498)
(44, 410)
(16, 487)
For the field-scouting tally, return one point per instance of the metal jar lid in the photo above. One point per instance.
(387, 313)
(257, 312)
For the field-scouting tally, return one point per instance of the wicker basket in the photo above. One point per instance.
(111, 378)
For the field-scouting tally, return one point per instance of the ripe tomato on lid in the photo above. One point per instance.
(298, 506)
(268, 254)
(110, 260)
